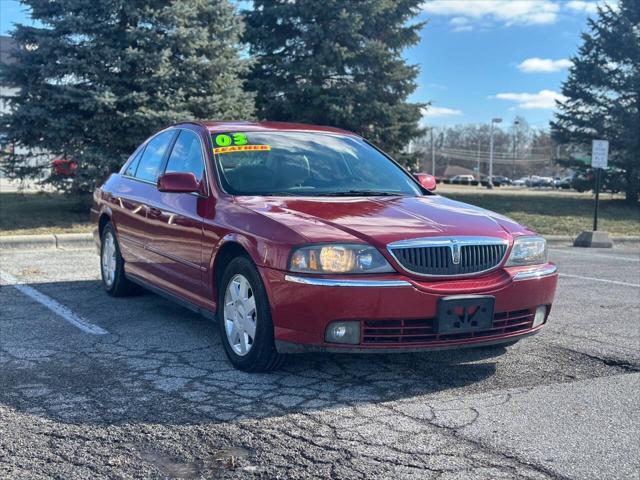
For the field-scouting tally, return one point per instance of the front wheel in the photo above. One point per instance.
(244, 319)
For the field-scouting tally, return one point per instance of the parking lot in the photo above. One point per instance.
(93, 386)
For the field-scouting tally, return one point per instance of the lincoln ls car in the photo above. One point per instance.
(297, 238)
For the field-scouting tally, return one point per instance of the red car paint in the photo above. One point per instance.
(172, 241)
(64, 167)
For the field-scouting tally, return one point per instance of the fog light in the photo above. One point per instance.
(541, 313)
(343, 332)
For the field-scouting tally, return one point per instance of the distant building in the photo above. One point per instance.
(7, 46)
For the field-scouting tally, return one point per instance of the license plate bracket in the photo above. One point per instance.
(465, 314)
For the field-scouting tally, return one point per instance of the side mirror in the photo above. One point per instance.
(427, 181)
(178, 182)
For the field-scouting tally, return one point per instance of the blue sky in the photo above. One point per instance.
(496, 58)
(479, 58)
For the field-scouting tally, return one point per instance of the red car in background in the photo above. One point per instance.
(298, 237)
(64, 167)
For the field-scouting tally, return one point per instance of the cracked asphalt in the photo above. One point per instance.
(156, 398)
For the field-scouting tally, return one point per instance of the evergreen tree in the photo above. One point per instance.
(95, 79)
(339, 63)
(603, 90)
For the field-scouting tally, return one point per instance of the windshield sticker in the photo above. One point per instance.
(226, 139)
(241, 148)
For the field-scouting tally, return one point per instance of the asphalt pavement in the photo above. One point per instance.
(97, 387)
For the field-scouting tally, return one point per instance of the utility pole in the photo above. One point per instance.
(433, 155)
(556, 163)
(490, 181)
(478, 158)
(515, 147)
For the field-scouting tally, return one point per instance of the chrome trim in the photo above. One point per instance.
(334, 282)
(444, 241)
(545, 271)
(448, 242)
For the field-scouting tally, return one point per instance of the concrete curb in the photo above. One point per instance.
(85, 240)
(47, 242)
(568, 239)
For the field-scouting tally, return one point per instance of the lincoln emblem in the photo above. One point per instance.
(455, 253)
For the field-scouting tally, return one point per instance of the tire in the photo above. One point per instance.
(244, 319)
(112, 265)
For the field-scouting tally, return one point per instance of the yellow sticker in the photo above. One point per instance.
(241, 148)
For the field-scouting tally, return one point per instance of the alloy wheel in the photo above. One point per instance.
(240, 315)
(109, 259)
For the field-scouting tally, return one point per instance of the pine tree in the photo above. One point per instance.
(95, 79)
(339, 63)
(603, 90)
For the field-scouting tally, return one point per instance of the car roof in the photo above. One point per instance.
(251, 126)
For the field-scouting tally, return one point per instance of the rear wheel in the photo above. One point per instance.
(244, 319)
(112, 265)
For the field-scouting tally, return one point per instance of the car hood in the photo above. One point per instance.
(381, 220)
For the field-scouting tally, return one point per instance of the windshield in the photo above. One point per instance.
(306, 164)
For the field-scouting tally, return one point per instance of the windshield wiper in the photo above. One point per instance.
(360, 193)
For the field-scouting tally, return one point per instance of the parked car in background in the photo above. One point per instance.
(520, 182)
(564, 183)
(499, 180)
(546, 182)
(64, 167)
(462, 179)
(299, 238)
(536, 181)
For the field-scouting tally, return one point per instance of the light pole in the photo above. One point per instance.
(515, 147)
(490, 182)
(478, 168)
(433, 155)
(433, 152)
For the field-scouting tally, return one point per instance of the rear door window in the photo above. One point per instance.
(186, 155)
(133, 164)
(151, 160)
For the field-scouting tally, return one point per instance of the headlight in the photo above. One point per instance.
(528, 251)
(338, 259)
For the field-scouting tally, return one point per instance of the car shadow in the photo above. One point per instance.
(162, 363)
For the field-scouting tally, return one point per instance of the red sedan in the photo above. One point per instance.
(302, 238)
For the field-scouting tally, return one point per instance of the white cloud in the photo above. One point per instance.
(544, 99)
(544, 65)
(508, 12)
(582, 6)
(433, 112)
(461, 24)
(590, 7)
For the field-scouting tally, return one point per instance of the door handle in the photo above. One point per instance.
(139, 208)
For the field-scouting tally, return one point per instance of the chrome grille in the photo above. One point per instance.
(446, 256)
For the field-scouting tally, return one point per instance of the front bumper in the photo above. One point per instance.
(396, 313)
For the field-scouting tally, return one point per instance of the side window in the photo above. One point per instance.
(186, 155)
(133, 165)
(151, 161)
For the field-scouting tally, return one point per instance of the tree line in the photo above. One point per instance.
(92, 80)
(514, 144)
(89, 81)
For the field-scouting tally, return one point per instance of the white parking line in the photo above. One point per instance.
(597, 255)
(593, 279)
(52, 305)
